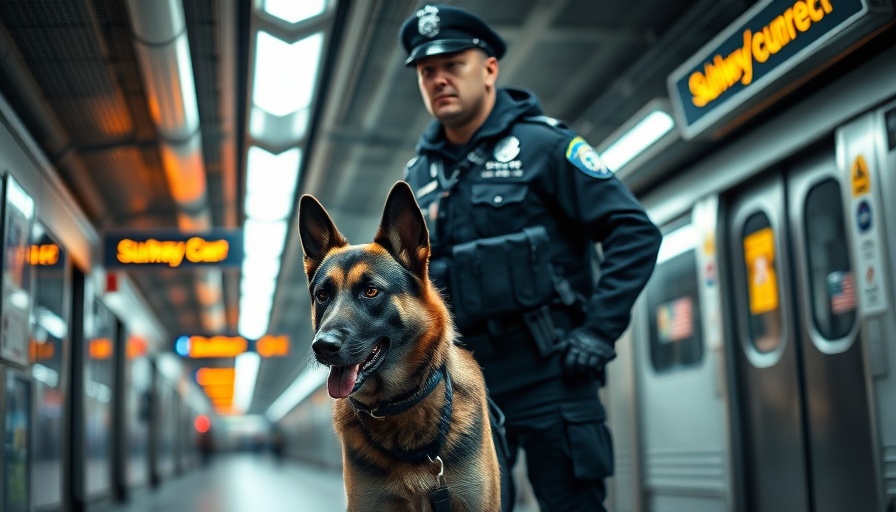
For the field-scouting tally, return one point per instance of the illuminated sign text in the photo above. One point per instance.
(195, 250)
(173, 249)
(776, 42)
(724, 71)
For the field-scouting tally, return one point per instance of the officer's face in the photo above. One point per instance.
(454, 86)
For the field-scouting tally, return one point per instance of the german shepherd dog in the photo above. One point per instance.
(411, 404)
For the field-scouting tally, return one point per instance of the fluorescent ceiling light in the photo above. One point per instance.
(273, 175)
(285, 74)
(647, 131)
(244, 383)
(271, 183)
(264, 238)
(266, 208)
(677, 242)
(308, 381)
(258, 267)
(253, 326)
(278, 130)
(294, 11)
(258, 287)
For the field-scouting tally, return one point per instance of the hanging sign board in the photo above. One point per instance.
(174, 249)
(768, 51)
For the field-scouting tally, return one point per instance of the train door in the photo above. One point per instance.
(804, 413)
(683, 410)
(866, 154)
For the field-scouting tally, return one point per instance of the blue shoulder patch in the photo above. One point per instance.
(586, 159)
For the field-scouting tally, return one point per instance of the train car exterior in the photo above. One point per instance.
(94, 404)
(757, 374)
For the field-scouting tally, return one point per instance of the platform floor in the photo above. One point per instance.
(243, 483)
(250, 482)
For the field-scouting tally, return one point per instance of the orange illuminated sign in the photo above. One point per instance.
(197, 346)
(221, 392)
(217, 346)
(215, 376)
(100, 348)
(272, 346)
(41, 351)
(172, 252)
(44, 255)
(136, 347)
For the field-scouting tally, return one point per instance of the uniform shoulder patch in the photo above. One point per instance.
(585, 158)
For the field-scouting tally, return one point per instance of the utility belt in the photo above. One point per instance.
(499, 284)
(544, 326)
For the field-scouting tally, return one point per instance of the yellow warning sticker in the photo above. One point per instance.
(861, 179)
(759, 257)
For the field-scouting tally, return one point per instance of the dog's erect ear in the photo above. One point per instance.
(317, 232)
(403, 231)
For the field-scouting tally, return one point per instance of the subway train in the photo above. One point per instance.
(757, 371)
(756, 374)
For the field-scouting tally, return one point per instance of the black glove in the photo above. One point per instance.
(586, 354)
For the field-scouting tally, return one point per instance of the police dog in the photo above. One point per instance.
(410, 403)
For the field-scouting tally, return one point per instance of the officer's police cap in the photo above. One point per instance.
(438, 29)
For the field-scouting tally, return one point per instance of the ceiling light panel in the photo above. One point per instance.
(285, 73)
(642, 135)
(294, 11)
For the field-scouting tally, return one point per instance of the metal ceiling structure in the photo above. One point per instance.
(88, 79)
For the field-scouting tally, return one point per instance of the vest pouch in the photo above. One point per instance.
(501, 275)
(529, 260)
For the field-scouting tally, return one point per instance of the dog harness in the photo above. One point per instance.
(439, 496)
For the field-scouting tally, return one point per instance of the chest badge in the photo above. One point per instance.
(507, 149)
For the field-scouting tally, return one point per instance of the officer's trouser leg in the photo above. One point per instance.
(567, 460)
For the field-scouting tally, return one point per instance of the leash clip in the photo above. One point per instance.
(374, 416)
(441, 465)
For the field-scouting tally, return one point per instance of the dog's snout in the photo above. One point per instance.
(326, 345)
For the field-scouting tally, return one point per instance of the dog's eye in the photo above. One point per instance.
(371, 292)
(321, 296)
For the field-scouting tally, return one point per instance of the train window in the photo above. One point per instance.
(761, 270)
(676, 339)
(48, 342)
(100, 328)
(831, 279)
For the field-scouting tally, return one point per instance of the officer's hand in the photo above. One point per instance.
(586, 354)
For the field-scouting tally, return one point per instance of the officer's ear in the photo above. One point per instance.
(403, 231)
(317, 233)
(490, 69)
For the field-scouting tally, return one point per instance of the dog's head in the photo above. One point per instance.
(377, 319)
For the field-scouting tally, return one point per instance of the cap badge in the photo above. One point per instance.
(507, 149)
(428, 24)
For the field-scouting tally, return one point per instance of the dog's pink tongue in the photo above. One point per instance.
(342, 380)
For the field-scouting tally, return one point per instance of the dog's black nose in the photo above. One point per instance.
(326, 345)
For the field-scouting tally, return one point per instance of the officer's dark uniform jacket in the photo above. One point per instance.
(515, 174)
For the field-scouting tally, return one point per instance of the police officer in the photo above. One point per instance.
(515, 203)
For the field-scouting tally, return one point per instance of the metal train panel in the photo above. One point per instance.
(682, 405)
(867, 162)
(804, 416)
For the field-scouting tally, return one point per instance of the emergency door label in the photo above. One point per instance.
(871, 272)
